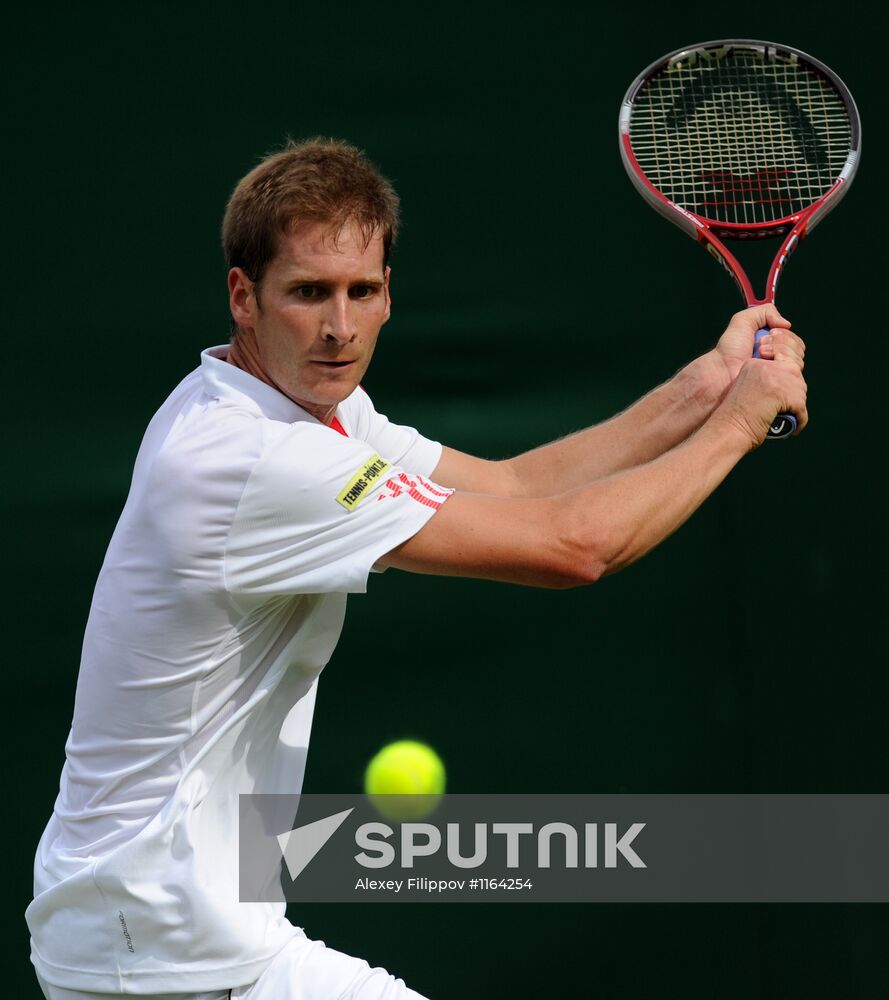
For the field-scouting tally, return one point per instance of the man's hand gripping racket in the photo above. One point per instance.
(745, 140)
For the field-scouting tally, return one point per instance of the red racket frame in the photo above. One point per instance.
(710, 232)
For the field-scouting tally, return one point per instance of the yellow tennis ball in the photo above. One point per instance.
(411, 773)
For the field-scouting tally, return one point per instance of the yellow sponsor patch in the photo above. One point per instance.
(363, 482)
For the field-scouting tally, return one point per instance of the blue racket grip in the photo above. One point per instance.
(784, 424)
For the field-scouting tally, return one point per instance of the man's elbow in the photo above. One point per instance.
(577, 576)
(579, 560)
(576, 566)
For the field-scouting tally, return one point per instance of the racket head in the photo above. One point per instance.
(745, 138)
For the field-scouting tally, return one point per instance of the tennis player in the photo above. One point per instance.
(266, 489)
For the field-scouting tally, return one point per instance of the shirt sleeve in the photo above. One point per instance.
(318, 510)
(400, 444)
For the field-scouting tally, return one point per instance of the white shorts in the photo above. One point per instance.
(302, 970)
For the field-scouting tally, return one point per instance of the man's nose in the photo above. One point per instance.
(337, 324)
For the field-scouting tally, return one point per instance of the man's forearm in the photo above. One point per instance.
(581, 535)
(618, 519)
(653, 425)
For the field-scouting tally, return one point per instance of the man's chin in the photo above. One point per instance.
(323, 403)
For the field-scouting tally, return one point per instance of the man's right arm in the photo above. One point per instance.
(659, 421)
(598, 528)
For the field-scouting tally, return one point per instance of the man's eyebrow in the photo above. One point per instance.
(374, 283)
(307, 279)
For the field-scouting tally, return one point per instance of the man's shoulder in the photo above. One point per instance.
(206, 433)
(199, 433)
(193, 432)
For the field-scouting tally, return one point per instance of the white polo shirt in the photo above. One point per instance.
(220, 600)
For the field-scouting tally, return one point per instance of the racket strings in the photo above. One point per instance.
(743, 139)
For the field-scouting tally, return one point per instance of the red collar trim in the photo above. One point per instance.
(338, 427)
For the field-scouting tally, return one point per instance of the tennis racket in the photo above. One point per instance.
(741, 140)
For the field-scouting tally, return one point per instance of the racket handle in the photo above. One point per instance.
(784, 424)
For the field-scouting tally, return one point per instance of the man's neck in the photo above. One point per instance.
(243, 354)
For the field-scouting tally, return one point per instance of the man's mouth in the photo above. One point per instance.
(335, 364)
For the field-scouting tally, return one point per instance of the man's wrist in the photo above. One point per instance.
(704, 382)
(729, 425)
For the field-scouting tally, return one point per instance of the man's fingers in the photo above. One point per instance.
(764, 316)
(782, 345)
(774, 318)
(764, 388)
(790, 382)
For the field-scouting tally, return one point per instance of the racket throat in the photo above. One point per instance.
(720, 253)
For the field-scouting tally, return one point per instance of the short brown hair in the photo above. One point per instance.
(318, 180)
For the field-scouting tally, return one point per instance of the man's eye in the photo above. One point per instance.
(307, 292)
(362, 291)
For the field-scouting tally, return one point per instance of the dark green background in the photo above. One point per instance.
(534, 293)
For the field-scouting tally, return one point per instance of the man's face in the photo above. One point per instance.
(311, 327)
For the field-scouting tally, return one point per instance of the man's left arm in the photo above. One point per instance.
(653, 425)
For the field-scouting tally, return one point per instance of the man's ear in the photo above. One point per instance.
(241, 298)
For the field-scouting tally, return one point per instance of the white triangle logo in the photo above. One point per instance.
(299, 846)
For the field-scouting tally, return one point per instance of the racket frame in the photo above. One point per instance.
(711, 233)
